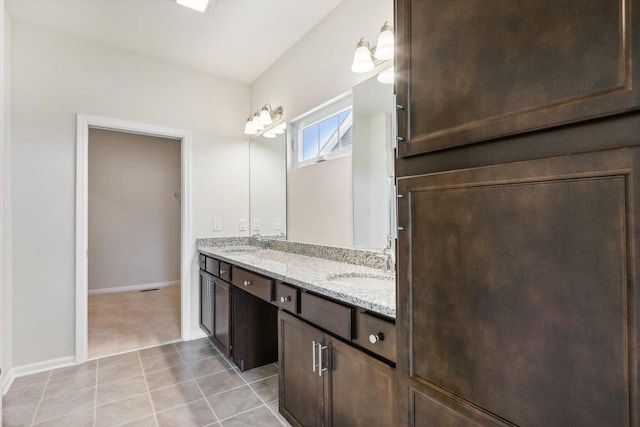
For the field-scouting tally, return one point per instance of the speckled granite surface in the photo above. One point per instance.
(308, 273)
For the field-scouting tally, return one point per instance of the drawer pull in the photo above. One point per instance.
(285, 299)
(374, 338)
(247, 282)
(223, 271)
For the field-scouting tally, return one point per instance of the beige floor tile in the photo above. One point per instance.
(160, 350)
(259, 373)
(59, 406)
(129, 320)
(261, 416)
(123, 410)
(118, 359)
(122, 389)
(167, 377)
(119, 372)
(197, 353)
(148, 421)
(267, 388)
(75, 419)
(219, 382)
(194, 414)
(175, 395)
(70, 371)
(164, 361)
(211, 365)
(32, 379)
(232, 402)
(22, 395)
(20, 415)
(189, 345)
(71, 383)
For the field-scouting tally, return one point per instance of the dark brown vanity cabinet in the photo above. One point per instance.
(222, 300)
(326, 382)
(472, 71)
(518, 293)
(206, 302)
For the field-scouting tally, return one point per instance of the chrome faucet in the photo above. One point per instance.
(260, 239)
(389, 263)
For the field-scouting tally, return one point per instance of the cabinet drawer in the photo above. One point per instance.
(253, 283)
(212, 266)
(202, 262)
(225, 271)
(287, 297)
(329, 315)
(383, 334)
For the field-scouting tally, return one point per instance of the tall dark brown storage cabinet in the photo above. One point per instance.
(519, 200)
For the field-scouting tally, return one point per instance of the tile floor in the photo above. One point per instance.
(180, 384)
(125, 321)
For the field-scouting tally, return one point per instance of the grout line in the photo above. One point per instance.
(35, 414)
(260, 397)
(103, 356)
(201, 392)
(153, 409)
(244, 412)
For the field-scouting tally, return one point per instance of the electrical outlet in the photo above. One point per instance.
(256, 224)
(243, 224)
(217, 224)
(277, 224)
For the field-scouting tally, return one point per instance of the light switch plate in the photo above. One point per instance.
(243, 224)
(256, 224)
(277, 224)
(217, 224)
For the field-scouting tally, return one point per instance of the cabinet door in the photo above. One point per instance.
(222, 314)
(518, 296)
(475, 70)
(359, 390)
(206, 303)
(300, 385)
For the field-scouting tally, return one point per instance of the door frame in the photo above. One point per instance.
(84, 122)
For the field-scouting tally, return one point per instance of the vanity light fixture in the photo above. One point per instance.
(274, 131)
(366, 59)
(261, 119)
(204, 6)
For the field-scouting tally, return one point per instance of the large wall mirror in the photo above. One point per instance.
(268, 185)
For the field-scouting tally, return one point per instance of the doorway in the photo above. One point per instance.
(133, 281)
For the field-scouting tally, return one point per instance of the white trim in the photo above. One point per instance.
(196, 334)
(7, 381)
(84, 122)
(34, 368)
(129, 288)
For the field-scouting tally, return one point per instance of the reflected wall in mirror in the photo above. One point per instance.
(268, 185)
(343, 197)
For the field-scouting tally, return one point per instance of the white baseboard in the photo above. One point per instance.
(196, 334)
(34, 368)
(133, 287)
(7, 381)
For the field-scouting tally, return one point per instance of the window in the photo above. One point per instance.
(323, 133)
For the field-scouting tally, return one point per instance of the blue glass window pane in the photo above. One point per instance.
(310, 142)
(327, 128)
(344, 115)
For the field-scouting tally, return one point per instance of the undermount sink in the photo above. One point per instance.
(240, 250)
(364, 280)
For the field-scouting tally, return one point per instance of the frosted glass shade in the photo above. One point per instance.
(265, 116)
(362, 61)
(386, 43)
(249, 129)
(387, 76)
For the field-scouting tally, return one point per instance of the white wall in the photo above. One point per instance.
(320, 204)
(134, 218)
(5, 199)
(55, 77)
(315, 70)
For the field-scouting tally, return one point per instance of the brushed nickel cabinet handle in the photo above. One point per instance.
(248, 282)
(374, 338)
(313, 355)
(285, 299)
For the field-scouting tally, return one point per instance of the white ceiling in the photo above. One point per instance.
(238, 40)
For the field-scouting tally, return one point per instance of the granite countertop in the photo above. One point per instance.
(311, 273)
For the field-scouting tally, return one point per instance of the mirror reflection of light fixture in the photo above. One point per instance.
(262, 120)
(366, 59)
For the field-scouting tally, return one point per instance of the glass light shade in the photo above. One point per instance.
(256, 123)
(362, 61)
(387, 76)
(199, 5)
(249, 129)
(265, 116)
(270, 133)
(386, 42)
(279, 130)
